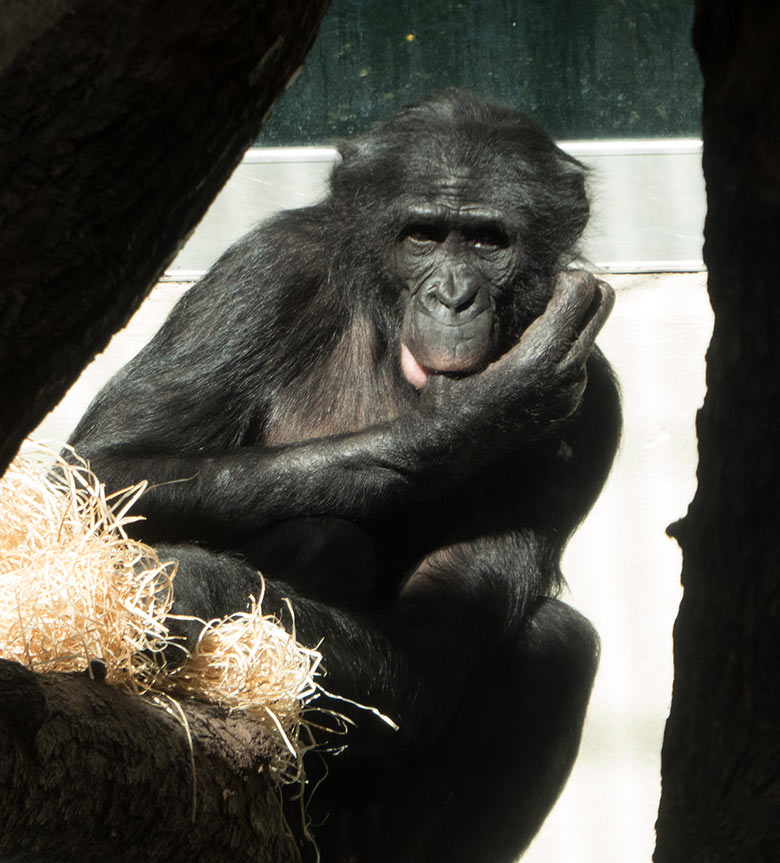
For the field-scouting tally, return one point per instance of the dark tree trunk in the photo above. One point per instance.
(91, 774)
(119, 122)
(721, 756)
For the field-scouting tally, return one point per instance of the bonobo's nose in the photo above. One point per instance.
(446, 296)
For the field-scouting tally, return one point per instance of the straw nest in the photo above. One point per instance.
(75, 588)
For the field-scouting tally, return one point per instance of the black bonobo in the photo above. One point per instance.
(390, 403)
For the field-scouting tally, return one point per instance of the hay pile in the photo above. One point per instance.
(248, 662)
(74, 588)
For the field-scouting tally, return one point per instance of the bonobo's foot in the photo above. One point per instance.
(207, 585)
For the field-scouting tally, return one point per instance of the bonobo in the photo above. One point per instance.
(390, 403)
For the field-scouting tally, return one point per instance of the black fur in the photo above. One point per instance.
(417, 525)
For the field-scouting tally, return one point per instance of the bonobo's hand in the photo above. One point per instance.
(540, 381)
(549, 360)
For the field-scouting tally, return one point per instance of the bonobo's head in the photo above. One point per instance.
(472, 210)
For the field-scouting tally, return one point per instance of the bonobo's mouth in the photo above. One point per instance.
(417, 374)
(456, 350)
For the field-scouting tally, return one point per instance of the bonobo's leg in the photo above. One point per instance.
(515, 739)
(328, 559)
(391, 659)
(487, 739)
(325, 559)
(480, 793)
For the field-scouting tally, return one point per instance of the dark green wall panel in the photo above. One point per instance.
(582, 68)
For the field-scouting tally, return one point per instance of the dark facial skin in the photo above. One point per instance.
(456, 257)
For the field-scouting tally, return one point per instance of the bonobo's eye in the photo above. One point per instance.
(423, 235)
(487, 237)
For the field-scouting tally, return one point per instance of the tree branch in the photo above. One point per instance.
(91, 773)
(119, 123)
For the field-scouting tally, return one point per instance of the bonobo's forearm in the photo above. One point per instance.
(460, 426)
(222, 498)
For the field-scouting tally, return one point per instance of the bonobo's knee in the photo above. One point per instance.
(561, 652)
(536, 692)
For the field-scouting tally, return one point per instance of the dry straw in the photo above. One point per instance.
(75, 588)
(248, 662)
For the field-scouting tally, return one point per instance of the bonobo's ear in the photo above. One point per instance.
(349, 157)
(561, 207)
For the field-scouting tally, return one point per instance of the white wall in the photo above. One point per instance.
(623, 571)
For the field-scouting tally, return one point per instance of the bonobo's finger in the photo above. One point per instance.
(598, 312)
(557, 327)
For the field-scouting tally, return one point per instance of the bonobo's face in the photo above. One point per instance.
(456, 259)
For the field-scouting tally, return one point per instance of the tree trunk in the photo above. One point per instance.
(89, 774)
(119, 123)
(721, 755)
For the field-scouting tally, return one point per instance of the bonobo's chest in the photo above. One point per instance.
(356, 386)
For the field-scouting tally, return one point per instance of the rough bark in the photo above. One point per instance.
(119, 122)
(89, 773)
(721, 755)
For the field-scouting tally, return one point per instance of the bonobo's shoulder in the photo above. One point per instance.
(304, 226)
(288, 242)
(282, 252)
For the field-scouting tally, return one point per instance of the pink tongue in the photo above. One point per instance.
(413, 371)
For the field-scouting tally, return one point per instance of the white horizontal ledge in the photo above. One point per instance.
(632, 147)
(597, 146)
(648, 202)
(695, 265)
(277, 155)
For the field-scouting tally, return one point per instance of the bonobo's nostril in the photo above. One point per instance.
(466, 302)
(456, 297)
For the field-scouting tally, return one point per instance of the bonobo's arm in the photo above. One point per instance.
(225, 495)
